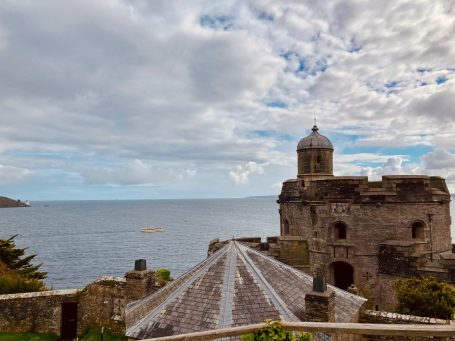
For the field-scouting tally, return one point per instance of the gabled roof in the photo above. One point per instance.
(235, 286)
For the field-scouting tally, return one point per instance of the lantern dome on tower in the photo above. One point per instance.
(315, 140)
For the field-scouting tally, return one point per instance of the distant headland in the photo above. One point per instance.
(7, 202)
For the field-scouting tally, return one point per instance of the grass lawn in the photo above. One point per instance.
(27, 337)
(94, 335)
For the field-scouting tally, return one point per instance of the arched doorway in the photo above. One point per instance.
(342, 274)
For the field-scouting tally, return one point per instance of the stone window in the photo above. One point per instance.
(418, 230)
(285, 227)
(340, 230)
(318, 160)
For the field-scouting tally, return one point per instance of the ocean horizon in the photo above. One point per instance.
(78, 241)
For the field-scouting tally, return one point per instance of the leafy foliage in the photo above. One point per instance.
(10, 284)
(17, 274)
(163, 276)
(425, 297)
(14, 258)
(275, 331)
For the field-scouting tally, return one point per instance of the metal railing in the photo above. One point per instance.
(337, 329)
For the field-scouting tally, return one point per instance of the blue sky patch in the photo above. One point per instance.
(275, 134)
(391, 84)
(287, 137)
(302, 65)
(422, 69)
(265, 16)
(276, 104)
(441, 80)
(289, 55)
(414, 153)
(223, 22)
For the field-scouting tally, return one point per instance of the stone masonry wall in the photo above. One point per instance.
(102, 303)
(378, 218)
(320, 306)
(36, 312)
(369, 316)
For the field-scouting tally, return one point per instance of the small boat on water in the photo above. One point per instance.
(152, 229)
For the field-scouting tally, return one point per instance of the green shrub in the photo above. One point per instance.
(163, 276)
(275, 331)
(12, 283)
(14, 258)
(17, 274)
(425, 297)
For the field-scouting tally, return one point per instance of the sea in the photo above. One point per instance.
(79, 241)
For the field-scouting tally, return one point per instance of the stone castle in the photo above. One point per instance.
(360, 235)
(363, 234)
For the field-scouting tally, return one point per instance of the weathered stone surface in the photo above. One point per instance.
(37, 312)
(370, 316)
(102, 303)
(364, 231)
(320, 306)
(139, 284)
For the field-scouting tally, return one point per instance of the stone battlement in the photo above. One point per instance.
(357, 189)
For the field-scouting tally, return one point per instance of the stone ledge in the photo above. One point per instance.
(64, 292)
(372, 316)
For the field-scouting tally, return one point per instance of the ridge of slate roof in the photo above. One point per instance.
(235, 286)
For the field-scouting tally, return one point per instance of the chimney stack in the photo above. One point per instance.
(320, 303)
(140, 282)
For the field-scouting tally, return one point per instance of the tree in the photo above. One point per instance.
(425, 297)
(17, 273)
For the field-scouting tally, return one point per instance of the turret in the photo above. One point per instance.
(315, 155)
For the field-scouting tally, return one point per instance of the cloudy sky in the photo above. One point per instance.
(122, 99)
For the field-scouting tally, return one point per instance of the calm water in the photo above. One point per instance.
(79, 241)
(82, 240)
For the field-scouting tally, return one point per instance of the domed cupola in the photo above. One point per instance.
(315, 140)
(315, 155)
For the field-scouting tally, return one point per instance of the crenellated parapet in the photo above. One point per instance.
(357, 189)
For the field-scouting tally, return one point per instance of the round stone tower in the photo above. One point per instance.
(315, 155)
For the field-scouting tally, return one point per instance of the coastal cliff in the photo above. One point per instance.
(7, 202)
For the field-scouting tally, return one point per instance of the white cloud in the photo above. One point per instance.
(393, 166)
(11, 174)
(240, 175)
(136, 172)
(438, 159)
(104, 84)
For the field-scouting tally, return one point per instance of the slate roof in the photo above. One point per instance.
(315, 140)
(235, 286)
